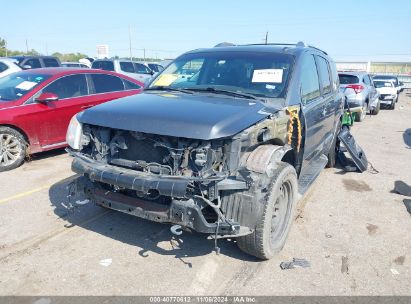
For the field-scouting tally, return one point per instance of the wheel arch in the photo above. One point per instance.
(21, 131)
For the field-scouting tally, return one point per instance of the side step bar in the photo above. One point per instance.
(310, 174)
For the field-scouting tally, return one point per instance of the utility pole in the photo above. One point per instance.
(266, 37)
(5, 45)
(129, 41)
(27, 47)
(47, 51)
(144, 54)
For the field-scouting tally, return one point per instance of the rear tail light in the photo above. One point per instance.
(356, 87)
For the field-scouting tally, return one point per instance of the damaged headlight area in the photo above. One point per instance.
(74, 134)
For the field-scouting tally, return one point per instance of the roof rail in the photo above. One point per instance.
(298, 44)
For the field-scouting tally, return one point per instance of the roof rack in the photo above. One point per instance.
(298, 44)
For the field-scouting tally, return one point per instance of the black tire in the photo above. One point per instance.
(13, 149)
(377, 109)
(332, 154)
(392, 106)
(275, 222)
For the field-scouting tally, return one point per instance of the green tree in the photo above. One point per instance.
(69, 57)
(3, 49)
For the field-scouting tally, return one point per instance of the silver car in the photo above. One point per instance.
(360, 93)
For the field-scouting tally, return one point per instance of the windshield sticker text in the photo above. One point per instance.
(268, 75)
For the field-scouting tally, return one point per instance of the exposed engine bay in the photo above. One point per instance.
(197, 160)
(176, 180)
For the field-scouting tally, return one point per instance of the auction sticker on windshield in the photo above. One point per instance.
(166, 80)
(26, 85)
(268, 75)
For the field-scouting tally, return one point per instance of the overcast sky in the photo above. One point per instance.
(348, 30)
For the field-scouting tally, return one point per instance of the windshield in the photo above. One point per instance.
(382, 84)
(259, 74)
(15, 86)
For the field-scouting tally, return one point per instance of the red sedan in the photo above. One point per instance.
(36, 106)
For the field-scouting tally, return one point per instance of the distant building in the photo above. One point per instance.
(403, 68)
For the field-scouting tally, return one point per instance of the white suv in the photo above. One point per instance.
(388, 92)
(126, 67)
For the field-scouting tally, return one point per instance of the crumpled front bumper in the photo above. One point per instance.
(182, 210)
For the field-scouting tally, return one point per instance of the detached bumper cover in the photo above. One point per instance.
(129, 179)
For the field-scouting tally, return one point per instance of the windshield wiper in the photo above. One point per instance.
(225, 92)
(163, 88)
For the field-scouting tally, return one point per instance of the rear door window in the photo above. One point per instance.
(103, 65)
(324, 70)
(106, 83)
(127, 67)
(310, 86)
(68, 86)
(50, 62)
(34, 63)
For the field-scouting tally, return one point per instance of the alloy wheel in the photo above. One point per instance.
(10, 149)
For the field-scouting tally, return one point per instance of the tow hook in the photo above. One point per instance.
(176, 230)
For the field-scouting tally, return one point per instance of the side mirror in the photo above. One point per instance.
(46, 97)
(26, 67)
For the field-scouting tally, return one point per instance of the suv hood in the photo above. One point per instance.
(199, 116)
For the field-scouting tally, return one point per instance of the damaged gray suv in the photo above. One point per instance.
(224, 141)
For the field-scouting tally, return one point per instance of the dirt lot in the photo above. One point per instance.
(353, 228)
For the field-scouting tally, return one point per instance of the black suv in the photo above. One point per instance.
(36, 62)
(224, 141)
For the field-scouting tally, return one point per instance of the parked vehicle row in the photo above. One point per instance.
(366, 94)
(142, 71)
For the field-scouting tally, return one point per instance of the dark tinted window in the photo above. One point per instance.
(106, 83)
(310, 86)
(348, 79)
(68, 86)
(50, 62)
(34, 63)
(141, 68)
(3, 67)
(103, 65)
(131, 85)
(324, 75)
(127, 66)
(382, 84)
